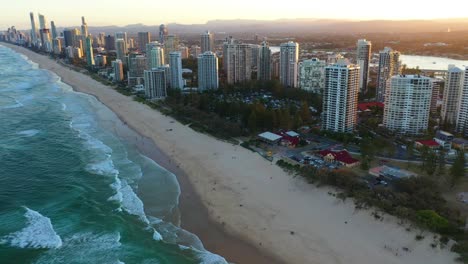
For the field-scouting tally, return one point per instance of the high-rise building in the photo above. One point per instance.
(53, 28)
(437, 85)
(46, 40)
(195, 51)
(208, 71)
(184, 52)
(70, 37)
(175, 63)
(117, 65)
(137, 66)
(389, 65)
(42, 22)
(154, 54)
(237, 61)
(171, 44)
(57, 45)
(207, 42)
(340, 97)
(156, 83)
(100, 60)
(163, 32)
(363, 57)
(312, 75)
(255, 53)
(101, 39)
(109, 43)
(120, 49)
(143, 39)
(89, 51)
(407, 104)
(122, 35)
(33, 30)
(462, 117)
(452, 90)
(84, 28)
(264, 62)
(289, 58)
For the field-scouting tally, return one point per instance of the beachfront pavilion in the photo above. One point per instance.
(270, 138)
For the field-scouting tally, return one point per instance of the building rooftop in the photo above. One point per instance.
(341, 156)
(429, 143)
(392, 172)
(270, 136)
(366, 106)
(292, 134)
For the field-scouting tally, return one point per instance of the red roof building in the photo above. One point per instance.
(365, 107)
(342, 157)
(432, 144)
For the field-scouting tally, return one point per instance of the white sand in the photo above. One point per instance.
(273, 203)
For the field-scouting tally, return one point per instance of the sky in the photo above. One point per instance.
(154, 12)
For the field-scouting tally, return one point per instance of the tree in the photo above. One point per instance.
(429, 161)
(252, 122)
(458, 169)
(441, 163)
(305, 112)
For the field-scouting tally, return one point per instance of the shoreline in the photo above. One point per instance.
(256, 200)
(214, 237)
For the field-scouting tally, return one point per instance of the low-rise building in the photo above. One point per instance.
(342, 157)
(460, 144)
(444, 139)
(390, 173)
(270, 138)
(431, 144)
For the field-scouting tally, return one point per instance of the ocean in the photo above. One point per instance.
(69, 183)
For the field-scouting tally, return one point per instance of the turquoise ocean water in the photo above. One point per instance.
(68, 185)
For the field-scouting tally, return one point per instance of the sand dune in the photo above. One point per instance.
(260, 203)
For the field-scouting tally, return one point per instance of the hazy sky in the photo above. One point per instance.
(153, 12)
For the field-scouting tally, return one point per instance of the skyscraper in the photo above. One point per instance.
(237, 61)
(143, 39)
(171, 44)
(89, 51)
(208, 71)
(407, 104)
(363, 57)
(207, 42)
(155, 55)
(117, 65)
(340, 97)
(389, 65)
(136, 68)
(109, 43)
(312, 75)
(84, 28)
(122, 35)
(462, 117)
(156, 83)
(54, 29)
(120, 49)
(437, 84)
(175, 63)
(33, 30)
(42, 22)
(452, 91)
(264, 62)
(289, 57)
(162, 33)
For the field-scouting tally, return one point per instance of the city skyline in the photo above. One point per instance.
(206, 10)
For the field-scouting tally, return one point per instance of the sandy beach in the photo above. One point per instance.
(246, 208)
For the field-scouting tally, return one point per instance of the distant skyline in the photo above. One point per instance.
(150, 12)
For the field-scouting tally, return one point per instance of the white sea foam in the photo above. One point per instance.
(29, 133)
(205, 257)
(64, 107)
(85, 247)
(131, 203)
(105, 167)
(39, 233)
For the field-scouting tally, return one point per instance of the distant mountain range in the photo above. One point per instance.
(301, 26)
